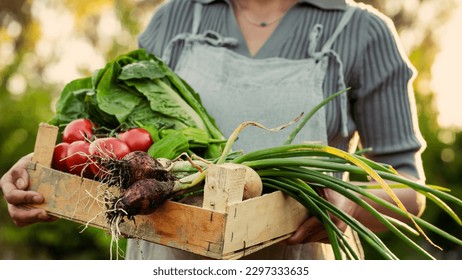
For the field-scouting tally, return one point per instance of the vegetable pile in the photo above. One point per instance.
(138, 126)
(137, 90)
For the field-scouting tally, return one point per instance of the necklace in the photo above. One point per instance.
(258, 23)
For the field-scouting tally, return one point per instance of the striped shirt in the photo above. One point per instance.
(381, 99)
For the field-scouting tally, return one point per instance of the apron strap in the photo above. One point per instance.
(196, 18)
(167, 55)
(209, 36)
(341, 25)
(327, 51)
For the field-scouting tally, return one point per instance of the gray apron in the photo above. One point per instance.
(272, 91)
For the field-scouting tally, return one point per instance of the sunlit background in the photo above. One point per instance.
(446, 72)
(46, 43)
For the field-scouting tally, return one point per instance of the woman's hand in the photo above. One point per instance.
(14, 185)
(312, 230)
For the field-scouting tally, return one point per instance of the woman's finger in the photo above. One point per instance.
(319, 236)
(18, 197)
(23, 215)
(303, 232)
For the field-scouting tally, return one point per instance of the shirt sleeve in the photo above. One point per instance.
(385, 110)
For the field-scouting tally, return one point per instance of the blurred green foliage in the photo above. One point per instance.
(27, 96)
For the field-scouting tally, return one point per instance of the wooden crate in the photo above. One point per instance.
(225, 227)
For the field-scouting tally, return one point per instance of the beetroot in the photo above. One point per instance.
(134, 166)
(144, 197)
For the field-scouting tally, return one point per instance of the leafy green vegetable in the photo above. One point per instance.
(113, 97)
(135, 88)
(142, 69)
(71, 104)
(171, 146)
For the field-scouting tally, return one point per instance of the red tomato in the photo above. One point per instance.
(78, 158)
(137, 139)
(109, 147)
(79, 129)
(59, 157)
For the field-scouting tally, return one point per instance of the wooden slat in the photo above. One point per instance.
(253, 221)
(44, 144)
(249, 250)
(224, 185)
(184, 227)
(67, 195)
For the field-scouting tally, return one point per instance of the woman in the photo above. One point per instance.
(268, 61)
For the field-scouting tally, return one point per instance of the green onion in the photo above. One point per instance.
(299, 169)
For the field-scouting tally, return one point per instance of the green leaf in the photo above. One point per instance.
(145, 115)
(113, 97)
(97, 115)
(169, 147)
(196, 136)
(442, 205)
(142, 69)
(71, 103)
(165, 101)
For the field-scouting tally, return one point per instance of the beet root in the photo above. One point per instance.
(134, 166)
(142, 166)
(144, 196)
